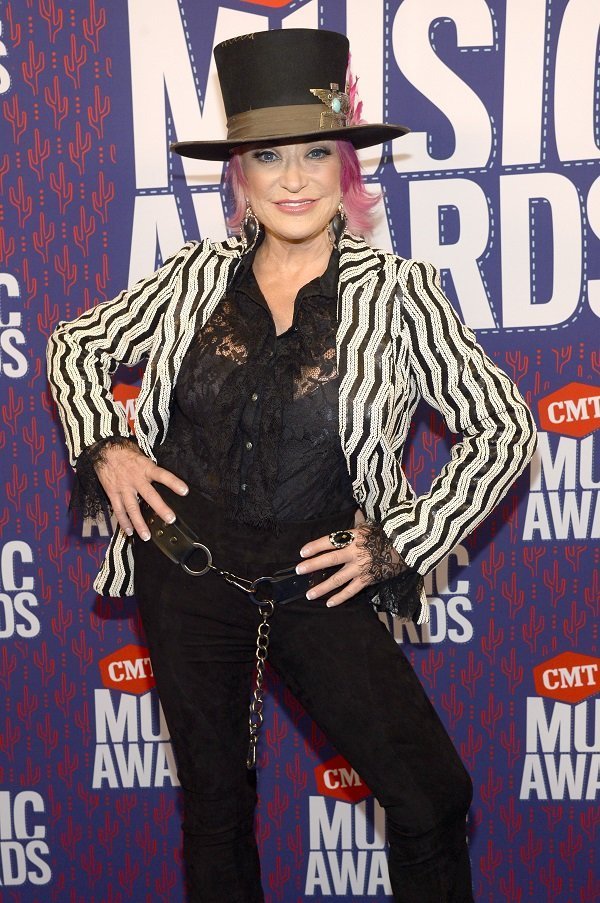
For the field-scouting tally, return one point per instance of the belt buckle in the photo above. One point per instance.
(206, 568)
(175, 542)
(288, 586)
(277, 584)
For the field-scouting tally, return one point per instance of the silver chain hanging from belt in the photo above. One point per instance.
(256, 717)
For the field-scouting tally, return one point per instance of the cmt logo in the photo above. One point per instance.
(338, 779)
(126, 396)
(129, 670)
(573, 410)
(569, 677)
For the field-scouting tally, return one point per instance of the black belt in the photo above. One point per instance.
(180, 543)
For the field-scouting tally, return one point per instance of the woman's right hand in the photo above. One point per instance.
(127, 475)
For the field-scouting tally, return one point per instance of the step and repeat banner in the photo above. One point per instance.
(499, 185)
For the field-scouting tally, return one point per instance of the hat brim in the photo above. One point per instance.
(360, 136)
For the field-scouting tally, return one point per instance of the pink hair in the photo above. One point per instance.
(358, 203)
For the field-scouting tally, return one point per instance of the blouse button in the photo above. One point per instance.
(244, 487)
(254, 396)
(248, 445)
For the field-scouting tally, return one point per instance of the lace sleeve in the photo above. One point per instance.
(88, 497)
(395, 587)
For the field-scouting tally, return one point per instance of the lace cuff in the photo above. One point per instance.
(400, 596)
(88, 497)
(395, 587)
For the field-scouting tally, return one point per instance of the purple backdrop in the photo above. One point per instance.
(499, 186)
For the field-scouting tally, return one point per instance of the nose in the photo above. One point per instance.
(293, 176)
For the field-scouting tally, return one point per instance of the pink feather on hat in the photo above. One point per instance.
(356, 105)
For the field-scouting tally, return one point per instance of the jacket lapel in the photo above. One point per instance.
(200, 286)
(368, 281)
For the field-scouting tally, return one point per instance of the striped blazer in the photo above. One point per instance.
(398, 340)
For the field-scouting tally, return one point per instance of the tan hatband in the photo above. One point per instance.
(288, 120)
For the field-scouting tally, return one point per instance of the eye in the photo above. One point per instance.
(317, 153)
(265, 156)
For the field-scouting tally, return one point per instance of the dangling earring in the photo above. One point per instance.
(337, 226)
(250, 228)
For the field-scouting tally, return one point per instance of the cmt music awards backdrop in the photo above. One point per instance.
(498, 185)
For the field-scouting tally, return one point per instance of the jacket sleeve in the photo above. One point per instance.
(477, 399)
(82, 355)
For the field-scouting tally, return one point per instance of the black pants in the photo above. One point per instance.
(345, 668)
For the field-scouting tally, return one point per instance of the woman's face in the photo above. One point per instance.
(294, 189)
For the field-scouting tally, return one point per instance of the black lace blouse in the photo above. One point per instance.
(254, 421)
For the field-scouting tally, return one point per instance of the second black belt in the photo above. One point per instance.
(180, 544)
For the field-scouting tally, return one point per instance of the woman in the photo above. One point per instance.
(283, 369)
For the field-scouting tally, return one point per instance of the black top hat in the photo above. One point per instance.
(287, 84)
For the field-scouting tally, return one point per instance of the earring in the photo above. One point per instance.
(337, 226)
(250, 229)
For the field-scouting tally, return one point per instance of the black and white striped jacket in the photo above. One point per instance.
(398, 340)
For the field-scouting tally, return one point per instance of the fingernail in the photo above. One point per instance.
(184, 491)
(300, 569)
(302, 553)
(145, 537)
(129, 532)
(330, 604)
(171, 519)
(310, 594)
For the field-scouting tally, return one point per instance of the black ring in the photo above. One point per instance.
(339, 539)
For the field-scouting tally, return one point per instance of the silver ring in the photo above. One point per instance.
(339, 539)
(206, 568)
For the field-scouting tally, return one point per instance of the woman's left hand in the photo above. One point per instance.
(369, 558)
